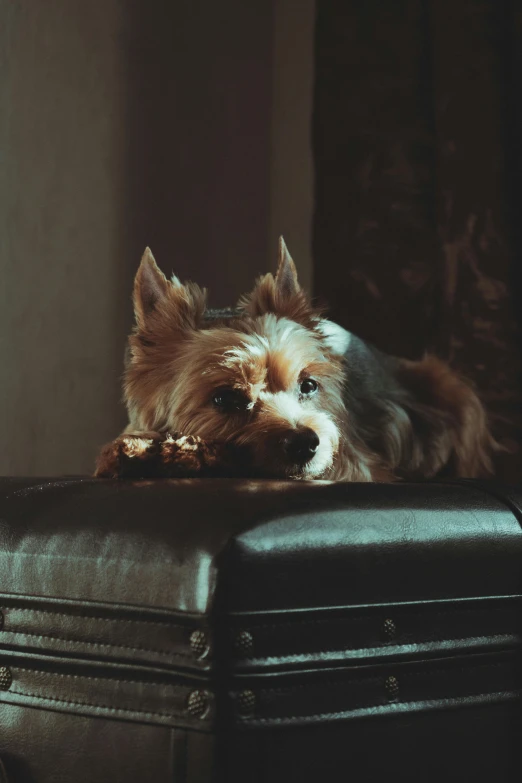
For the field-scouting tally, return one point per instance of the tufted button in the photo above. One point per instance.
(246, 702)
(392, 688)
(198, 704)
(389, 630)
(199, 644)
(6, 678)
(243, 643)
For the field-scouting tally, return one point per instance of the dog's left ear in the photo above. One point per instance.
(280, 294)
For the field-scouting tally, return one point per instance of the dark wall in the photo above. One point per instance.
(199, 138)
(416, 147)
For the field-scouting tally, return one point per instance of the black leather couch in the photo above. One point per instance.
(259, 631)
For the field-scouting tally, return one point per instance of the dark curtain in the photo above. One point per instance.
(417, 147)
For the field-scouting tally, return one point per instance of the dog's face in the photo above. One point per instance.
(262, 383)
(267, 379)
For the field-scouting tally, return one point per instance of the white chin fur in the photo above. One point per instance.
(319, 464)
(324, 456)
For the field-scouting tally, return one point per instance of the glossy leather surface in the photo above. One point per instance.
(288, 545)
(352, 544)
(144, 622)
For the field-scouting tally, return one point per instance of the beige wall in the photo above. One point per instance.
(63, 245)
(125, 123)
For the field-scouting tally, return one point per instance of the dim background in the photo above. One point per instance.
(381, 138)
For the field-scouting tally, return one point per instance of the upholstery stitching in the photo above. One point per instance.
(98, 706)
(99, 679)
(381, 678)
(370, 618)
(483, 694)
(96, 644)
(382, 645)
(97, 619)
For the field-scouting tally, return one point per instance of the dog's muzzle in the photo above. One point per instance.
(300, 445)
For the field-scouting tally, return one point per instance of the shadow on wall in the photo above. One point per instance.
(122, 125)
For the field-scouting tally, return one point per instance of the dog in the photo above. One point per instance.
(296, 394)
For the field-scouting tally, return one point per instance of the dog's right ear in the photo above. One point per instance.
(159, 302)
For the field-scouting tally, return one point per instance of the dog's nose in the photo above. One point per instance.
(301, 445)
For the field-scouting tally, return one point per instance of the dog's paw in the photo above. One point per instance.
(170, 455)
(129, 456)
(190, 455)
(182, 455)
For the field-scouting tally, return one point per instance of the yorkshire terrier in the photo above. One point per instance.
(272, 388)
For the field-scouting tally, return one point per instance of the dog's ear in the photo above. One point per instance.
(166, 303)
(150, 287)
(280, 294)
(286, 283)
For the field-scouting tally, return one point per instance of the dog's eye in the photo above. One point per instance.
(308, 386)
(230, 400)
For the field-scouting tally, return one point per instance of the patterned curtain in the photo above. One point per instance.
(417, 147)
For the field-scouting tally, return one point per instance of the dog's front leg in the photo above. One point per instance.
(132, 455)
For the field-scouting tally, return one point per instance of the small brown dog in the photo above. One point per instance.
(273, 388)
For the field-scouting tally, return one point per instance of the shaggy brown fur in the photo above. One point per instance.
(243, 388)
